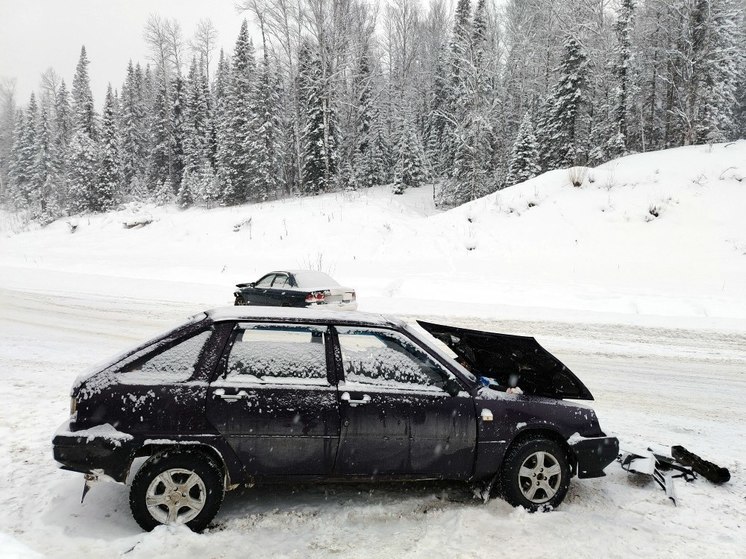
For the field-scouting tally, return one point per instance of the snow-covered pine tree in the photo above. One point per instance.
(264, 148)
(558, 142)
(23, 155)
(133, 129)
(180, 129)
(160, 139)
(239, 116)
(319, 136)
(410, 167)
(364, 173)
(719, 24)
(82, 104)
(63, 118)
(617, 144)
(524, 159)
(471, 174)
(109, 186)
(82, 172)
(45, 160)
(221, 147)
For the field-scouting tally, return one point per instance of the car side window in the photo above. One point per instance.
(281, 280)
(174, 364)
(277, 353)
(385, 357)
(266, 281)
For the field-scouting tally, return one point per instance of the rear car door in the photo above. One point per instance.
(397, 418)
(273, 401)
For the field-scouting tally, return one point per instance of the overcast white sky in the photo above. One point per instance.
(38, 34)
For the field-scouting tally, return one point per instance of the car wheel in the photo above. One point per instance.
(177, 488)
(535, 474)
(239, 301)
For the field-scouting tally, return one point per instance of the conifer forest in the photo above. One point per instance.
(327, 95)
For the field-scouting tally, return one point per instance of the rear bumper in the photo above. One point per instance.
(335, 306)
(594, 454)
(91, 454)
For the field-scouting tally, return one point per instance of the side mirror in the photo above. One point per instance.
(251, 284)
(452, 387)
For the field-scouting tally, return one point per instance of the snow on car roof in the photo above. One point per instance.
(301, 313)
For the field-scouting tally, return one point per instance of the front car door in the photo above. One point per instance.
(273, 400)
(397, 418)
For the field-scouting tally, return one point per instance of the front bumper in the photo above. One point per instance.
(594, 454)
(92, 454)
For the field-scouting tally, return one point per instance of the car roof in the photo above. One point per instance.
(301, 314)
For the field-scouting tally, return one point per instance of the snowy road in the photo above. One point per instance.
(651, 385)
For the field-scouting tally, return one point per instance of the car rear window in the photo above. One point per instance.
(171, 364)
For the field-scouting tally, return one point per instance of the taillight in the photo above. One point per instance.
(354, 297)
(316, 297)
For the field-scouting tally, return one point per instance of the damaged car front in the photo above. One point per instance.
(527, 424)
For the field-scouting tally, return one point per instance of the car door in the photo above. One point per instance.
(276, 293)
(397, 418)
(273, 400)
(257, 295)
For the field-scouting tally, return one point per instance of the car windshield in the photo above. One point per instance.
(310, 279)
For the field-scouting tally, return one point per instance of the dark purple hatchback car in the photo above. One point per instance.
(246, 395)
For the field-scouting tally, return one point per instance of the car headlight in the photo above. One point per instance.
(73, 406)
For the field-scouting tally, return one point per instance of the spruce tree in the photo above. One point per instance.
(23, 156)
(524, 159)
(109, 183)
(410, 169)
(319, 135)
(364, 173)
(84, 115)
(239, 116)
(45, 160)
(617, 143)
(264, 146)
(558, 125)
(133, 129)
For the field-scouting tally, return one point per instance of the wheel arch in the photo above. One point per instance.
(535, 432)
(152, 448)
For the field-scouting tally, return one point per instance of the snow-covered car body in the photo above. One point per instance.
(271, 394)
(296, 288)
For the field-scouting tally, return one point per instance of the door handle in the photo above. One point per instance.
(220, 393)
(353, 403)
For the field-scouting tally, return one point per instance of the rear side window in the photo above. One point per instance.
(173, 364)
(278, 353)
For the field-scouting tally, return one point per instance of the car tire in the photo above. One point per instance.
(535, 474)
(239, 301)
(177, 487)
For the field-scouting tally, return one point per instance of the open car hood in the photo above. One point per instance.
(511, 361)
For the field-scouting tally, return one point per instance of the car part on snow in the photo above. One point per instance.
(708, 470)
(663, 469)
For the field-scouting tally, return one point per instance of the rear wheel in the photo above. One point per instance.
(535, 474)
(180, 487)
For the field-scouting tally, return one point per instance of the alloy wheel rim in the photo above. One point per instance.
(539, 477)
(176, 496)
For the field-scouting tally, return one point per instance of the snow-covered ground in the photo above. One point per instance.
(650, 312)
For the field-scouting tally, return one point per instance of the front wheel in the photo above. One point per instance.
(177, 488)
(535, 474)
